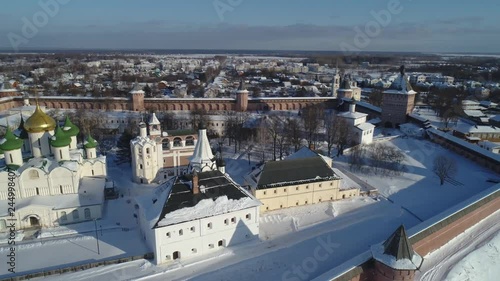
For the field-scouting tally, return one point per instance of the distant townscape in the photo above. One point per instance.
(243, 166)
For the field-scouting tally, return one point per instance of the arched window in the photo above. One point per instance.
(87, 213)
(177, 142)
(189, 141)
(33, 175)
(147, 150)
(75, 215)
(165, 144)
(64, 217)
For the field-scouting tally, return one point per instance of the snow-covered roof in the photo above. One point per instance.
(175, 202)
(402, 264)
(474, 113)
(352, 115)
(365, 126)
(470, 146)
(476, 129)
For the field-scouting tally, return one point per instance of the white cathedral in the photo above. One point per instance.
(53, 180)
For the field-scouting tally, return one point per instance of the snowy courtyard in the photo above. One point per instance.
(288, 238)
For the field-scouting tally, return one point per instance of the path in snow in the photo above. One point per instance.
(448, 258)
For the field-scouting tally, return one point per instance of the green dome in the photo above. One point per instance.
(90, 142)
(60, 139)
(10, 141)
(70, 129)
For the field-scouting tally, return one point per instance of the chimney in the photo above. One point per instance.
(352, 107)
(195, 186)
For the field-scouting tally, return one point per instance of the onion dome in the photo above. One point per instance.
(60, 139)
(90, 142)
(39, 122)
(70, 129)
(10, 141)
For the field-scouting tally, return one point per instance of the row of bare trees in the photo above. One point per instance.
(380, 159)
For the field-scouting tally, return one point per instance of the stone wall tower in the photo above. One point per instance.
(398, 101)
(241, 98)
(137, 95)
(395, 259)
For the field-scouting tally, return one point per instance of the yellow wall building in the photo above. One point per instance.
(298, 182)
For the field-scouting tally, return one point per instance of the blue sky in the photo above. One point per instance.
(423, 25)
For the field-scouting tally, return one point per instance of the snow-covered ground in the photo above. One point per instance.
(291, 238)
(473, 255)
(419, 182)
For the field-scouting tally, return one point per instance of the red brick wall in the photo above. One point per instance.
(442, 236)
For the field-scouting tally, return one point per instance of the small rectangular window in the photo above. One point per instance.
(248, 216)
(209, 225)
(192, 228)
(226, 221)
(233, 220)
(168, 234)
(181, 232)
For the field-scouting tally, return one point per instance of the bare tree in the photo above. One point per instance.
(444, 167)
(449, 116)
(198, 116)
(356, 158)
(293, 132)
(234, 128)
(311, 117)
(341, 134)
(87, 121)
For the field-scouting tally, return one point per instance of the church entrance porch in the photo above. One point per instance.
(34, 222)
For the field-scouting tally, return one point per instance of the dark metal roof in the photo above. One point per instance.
(398, 245)
(172, 133)
(301, 170)
(213, 184)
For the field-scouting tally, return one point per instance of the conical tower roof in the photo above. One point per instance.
(398, 245)
(10, 141)
(90, 142)
(60, 138)
(397, 252)
(202, 155)
(39, 122)
(22, 133)
(70, 129)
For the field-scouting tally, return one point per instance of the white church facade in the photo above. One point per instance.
(54, 181)
(360, 131)
(158, 155)
(197, 213)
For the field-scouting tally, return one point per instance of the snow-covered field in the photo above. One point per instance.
(473, 255)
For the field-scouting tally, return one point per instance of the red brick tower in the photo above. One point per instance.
(137, 95)
(398, 101)
(241, 98)
(395, 259)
